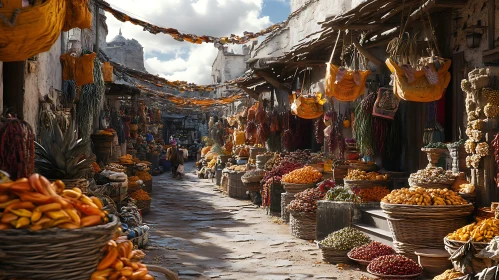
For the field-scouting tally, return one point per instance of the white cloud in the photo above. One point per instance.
(200, 17)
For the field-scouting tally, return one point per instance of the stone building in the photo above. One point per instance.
(128, 52)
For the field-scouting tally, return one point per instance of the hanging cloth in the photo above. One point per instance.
(77, 15)
(420, 90)
(344, 84)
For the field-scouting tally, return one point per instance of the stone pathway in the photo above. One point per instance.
(203, 234)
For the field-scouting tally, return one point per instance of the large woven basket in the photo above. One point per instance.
(424, 225)
(144, 206)
(303, 225)
(82, 184)
(235, 187)
(296, 188)
(256, 151)
(431, 186)
(333, 256)
(286, 198)
(276, 191)
(53, 253)
(253, 187)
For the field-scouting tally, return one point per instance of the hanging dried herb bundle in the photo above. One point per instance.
(17, 148)
(261, 115)
(332, 135)
(319, 127)
(262, 133)
(250, 129)
(364, 126)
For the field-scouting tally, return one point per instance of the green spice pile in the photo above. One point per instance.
(345, 194)
(345, 239)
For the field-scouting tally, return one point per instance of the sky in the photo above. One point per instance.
(182, 60)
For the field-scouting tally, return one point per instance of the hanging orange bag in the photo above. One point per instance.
(30, 30)
(419, 90)
(308, 107)
(84, 70)
(68, 66)
(77, 15)
(347, 89)
(107, 72)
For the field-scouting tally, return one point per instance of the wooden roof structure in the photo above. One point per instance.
(378, 21)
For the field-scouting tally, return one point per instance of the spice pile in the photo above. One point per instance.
(374, 194)
(115, 167)
(483, 231)
(128, 159)
(140, 195)
(449, 274)
(37, 204)
(239, 168)
(266, 190)
(424, 197)
(306, 201)
(326, 185)
(371, 251)
(359, 175)
(344, 194)
(143, 175)
(305, 175)
(432, 176)
(345, 239)
(394, 265)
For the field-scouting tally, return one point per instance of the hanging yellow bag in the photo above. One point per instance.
(77, 15)
(239, 137)
(84, 69)
(350, 86)
(308, 107)
(107, 72)
(68, 62)
(419, 89)
(28, 31)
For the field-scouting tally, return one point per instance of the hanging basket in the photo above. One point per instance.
(34, 31)
(308, 107)
(346, 89)
(54, 253)
(386, 104)
(420, 90)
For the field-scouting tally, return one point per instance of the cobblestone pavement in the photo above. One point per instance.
(201, 233)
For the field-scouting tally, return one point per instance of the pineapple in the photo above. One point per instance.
(62, 155)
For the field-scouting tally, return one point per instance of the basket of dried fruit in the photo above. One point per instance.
(394, 267)
(51, 232)
(421, 216)
(364, 254)
(142, 200)
(335, 246)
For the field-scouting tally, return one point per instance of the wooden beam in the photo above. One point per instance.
(452, 4)
(491, 7)
(367, 54)
(271, 80)
(363, 26)
(253, 94)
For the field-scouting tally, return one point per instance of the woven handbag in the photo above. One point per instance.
(386, 104)
(346, 89)
(419, 90)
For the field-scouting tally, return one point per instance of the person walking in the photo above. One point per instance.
(172, 155)
(180, 164)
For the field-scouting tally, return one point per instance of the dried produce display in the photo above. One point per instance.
(205, 150)
(253, 176)
(345, 239)
(319, 127)
(483, 231)
(127, 159)
(465, 188)
(470, 146)
(37, 204)
(298, 156)
(121, 262)
(474, 134)
(424, 197)
(482, 149)
(115, 167)
(373, 194)
(306, 201)
(274, 161)
(326, 185)
(244, 152)
(305, 175)
(495, 145)
(491, 111)
(432, 176)
(143, 175)
(371, 251)
(95, 167)
(267, 185)
(359, 175)
(239, 168)
(436, 145)
(449, 274)
(345, 194)
(140, 195)
(473, 161)
(394, 265)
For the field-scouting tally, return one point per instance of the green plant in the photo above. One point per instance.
(62, 155)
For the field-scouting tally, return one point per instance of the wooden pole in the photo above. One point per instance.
(491, 7)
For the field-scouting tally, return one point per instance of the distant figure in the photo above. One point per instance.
(172, 156)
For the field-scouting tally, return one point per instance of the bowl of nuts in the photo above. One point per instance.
(394, 267)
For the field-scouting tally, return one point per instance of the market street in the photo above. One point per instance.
(203, 234)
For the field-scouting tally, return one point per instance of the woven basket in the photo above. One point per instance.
(53, 253)
(366, 183)
(364, 166)
(416, 211)
(334, 256)
(256, 151)
(296, 188)
(82, 184)
(235, 187)
(276, 190)
(148, 186)
(286, 198)
(303, 225)
(144, 206)
(395, 277)
(253, 187)
(408, 250)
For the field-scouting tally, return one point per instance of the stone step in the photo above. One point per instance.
(375, 218)
(376, 234)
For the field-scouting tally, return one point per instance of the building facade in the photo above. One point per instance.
(128, 52)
